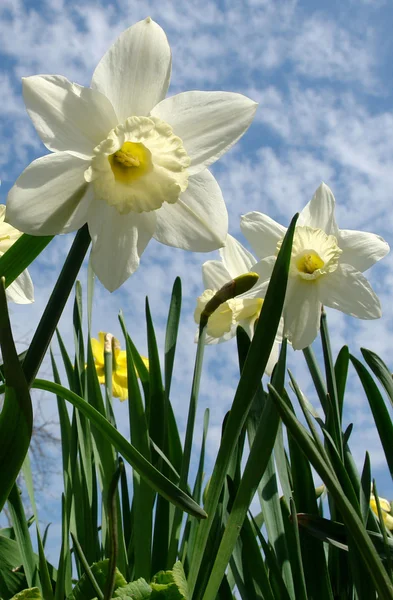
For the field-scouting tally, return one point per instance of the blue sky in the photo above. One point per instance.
(321, 73)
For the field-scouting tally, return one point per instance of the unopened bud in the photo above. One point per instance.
(233, 288)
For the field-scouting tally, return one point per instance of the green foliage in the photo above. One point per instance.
(137, 531)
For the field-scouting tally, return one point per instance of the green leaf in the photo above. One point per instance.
(251, 376)
(155, 479)
(21, 254)
(16, 418)
(258, 461)
(380, 370)
(11, 580)
(58, 298)
(179, 578)
(380, 412)
(341, 372)
(22, 537)
(143, 495)
(137, 590)
(170, 585)
(355, 527)
(172, 328)
(84, 589)
(29, 594)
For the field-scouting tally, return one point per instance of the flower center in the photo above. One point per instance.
(247, 308)
(132, 161)
(140, 165)
(314, 253)
(309, 262)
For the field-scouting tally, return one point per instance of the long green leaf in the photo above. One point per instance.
(157, 481)
(22, 537)
(172, 328)
(257, 462)
(253, 370)
(378, 408)
(352, 521)
(16, 418)
(380, 370)
(143, 496)
(21, 254)
(53, 311)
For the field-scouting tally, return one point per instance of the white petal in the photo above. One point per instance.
(50, 197)
(208, 123)
(118, 242)
(211, 341)
(264, 269)
(273, 358)
(67, 116)
(8, 234)
(215, 275)
(361, 249)
(262, 232)
(349, 291)
(236, 258)
(135, 72)
(319, 212)
(21, 291)
(302, 312)
(199, 219)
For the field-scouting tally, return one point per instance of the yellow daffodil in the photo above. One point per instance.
(21, 290)
(386, 510)
(327, 265)
(124, 159)
(107, 343)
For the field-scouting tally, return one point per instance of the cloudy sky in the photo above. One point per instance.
(321, 73)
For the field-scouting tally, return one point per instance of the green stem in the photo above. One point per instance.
(52, 313)
(113, 534)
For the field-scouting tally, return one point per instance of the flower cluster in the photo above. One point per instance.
(132, 164)
(326, 269)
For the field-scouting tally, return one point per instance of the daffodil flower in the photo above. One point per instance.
(385, 508)
(242, 310)
(21, 290)
(119, 364)
(130, 163)
(326, 266)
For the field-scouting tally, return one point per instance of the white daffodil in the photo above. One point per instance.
(125, 160)
(326, 266)
(242, 310)
(21, 289)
